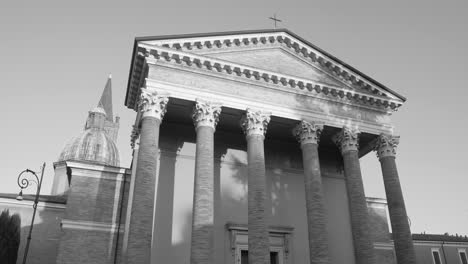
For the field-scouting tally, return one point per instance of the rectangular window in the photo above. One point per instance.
(274, 258)
(436, 256)
(463, 258)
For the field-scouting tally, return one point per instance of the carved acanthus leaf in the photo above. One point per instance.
(206, 113)
(347, 139)
(306, 132)
(134, 136)
(255, 122)
(152, 103)
(386, 145)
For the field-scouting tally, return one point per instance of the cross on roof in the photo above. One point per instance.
(274, 19)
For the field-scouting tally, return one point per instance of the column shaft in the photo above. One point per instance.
(202, 221)
(396, 205)
(317, 226)
(259, 245)
(363, 248)
(141, 220)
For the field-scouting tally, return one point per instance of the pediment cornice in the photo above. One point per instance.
(152, 53)
(210, 42)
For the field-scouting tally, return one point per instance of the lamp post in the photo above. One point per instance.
(23, 183)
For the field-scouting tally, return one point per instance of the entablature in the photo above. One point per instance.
(192, 59)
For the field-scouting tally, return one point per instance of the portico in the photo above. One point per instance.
(292, 122)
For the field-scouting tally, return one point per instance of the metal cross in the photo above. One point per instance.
(274, 19)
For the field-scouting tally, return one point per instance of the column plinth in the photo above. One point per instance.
(308, 135)
(205, 117)
(153, 107)
(386, 152)
(348, 143)
(254, 125)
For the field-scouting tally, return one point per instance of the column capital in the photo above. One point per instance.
(347, 139)
(255, 122)
(152, 103)
(206, 113)
(386, 145)
(135, 137)
(308, 132)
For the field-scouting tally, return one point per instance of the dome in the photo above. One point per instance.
(99, 110)
(92, 145)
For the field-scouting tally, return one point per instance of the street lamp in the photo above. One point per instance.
(23, 183)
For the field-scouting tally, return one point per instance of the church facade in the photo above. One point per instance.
(274, 128)
(246, 149)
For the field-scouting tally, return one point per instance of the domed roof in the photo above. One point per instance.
(92, 145)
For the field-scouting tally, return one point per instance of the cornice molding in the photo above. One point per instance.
(282, 37)
(91, 226)
(150, 54)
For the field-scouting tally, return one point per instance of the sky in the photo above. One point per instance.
(55, 57)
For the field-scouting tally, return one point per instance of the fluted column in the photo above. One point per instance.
(254, 124)
(348, 142)
(308, 134)
(386, 152)
(153, 107)
(205, 117)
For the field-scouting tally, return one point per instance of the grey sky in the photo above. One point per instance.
(55, 57)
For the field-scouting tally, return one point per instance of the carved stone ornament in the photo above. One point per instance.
(306, 132)
(206, 114)
(255, 122)
(152, 103)
(386, 146)
(347, 139)
(135, 137)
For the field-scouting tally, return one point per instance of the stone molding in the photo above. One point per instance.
(308, 132)
(269, 39)
(206, 113)
(386, 146)
(255, 122)
(29, 203)
(135, 137)
(152, 103)
(189, 93)
(95, 168)
(369, 96)
(91, 226)
(347, 139)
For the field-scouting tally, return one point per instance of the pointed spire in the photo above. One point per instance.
(106, 99)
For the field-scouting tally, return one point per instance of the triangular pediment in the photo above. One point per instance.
(276, 60)
(273, 56)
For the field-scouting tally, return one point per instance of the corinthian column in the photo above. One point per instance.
(308, 134)
(205, 117)
(386, 152)
(348, 142)
(153, 107)
(254, 124)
